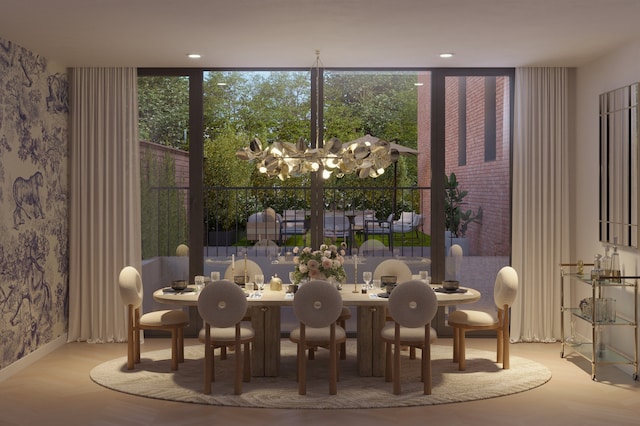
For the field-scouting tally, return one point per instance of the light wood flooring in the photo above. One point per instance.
(57, 390)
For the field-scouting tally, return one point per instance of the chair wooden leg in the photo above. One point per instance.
(412, 352)
(343, 345)
(223, 352)
(455, 344)
(131, 343)
(396, 363)
(302, 363)
(505, 344)
(174, 349)
(136, 335)
(180, 344)
(333, 362)
(426, 360)
(208, 362)
(387, 362)
(462, 363)
(247, 363)
(237, 388)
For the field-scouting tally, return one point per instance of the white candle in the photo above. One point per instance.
(233, 262)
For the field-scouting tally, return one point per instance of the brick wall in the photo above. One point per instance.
(487, 182)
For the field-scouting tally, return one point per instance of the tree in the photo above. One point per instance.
(163, 104)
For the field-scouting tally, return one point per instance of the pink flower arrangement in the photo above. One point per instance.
(320, 264)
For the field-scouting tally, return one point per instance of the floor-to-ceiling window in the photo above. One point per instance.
(471, 110)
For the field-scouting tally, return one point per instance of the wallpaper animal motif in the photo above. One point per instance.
(34, 157)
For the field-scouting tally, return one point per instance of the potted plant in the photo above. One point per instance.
(457, 220)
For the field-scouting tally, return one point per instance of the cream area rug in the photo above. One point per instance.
(483, 379)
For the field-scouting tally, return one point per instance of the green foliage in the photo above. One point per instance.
(276, 106)
(163, 206)
(457, 220)
(223, 170)
(163, 104)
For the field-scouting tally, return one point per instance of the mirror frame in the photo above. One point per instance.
(619, 162)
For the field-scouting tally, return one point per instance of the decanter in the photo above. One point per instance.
(606, 262)
(615, 265)
(596, 271)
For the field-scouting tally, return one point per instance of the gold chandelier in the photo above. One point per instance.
(285, 159)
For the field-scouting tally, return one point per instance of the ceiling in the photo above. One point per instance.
(348, 33)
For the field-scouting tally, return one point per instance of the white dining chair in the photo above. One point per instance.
(317, 305)
(412, 306)
(504, 294)
(172, 320)
(222, 306)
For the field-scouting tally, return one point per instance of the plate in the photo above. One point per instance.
(170, 290)
(458, 290)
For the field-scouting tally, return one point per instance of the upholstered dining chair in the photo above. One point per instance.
(252, 268)
(504, 294)
(174, 320)
(222, 305)
(394, 267)
(317, 305)
(412, 307)
(372, 247)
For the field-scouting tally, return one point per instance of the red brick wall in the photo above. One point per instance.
(181, 159)
(487, 182)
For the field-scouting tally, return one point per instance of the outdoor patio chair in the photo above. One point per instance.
(379, 227)
(336, 226)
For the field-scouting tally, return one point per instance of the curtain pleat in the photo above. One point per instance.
(540, 235)
(105, 200)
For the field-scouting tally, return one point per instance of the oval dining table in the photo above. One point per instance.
(264, 310)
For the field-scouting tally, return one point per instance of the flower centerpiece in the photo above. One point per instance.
(320, 264)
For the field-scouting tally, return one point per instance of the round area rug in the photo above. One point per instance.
(483, 379)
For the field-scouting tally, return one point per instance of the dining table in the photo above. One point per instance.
(264, 310)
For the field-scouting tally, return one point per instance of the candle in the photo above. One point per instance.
(233, 262)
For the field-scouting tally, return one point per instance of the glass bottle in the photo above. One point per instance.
(596, 271)
(615, 265)
(606, 262)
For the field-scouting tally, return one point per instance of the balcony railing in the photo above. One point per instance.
(236, 218)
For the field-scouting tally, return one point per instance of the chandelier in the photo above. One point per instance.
(285, 159)
(367, 156)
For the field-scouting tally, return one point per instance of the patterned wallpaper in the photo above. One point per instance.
(34, 194)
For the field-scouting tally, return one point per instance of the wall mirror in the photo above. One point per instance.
(619, 166)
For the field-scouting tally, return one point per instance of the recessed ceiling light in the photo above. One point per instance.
(418, 84)
(194, 55)
(446, 55)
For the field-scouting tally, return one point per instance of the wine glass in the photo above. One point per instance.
(259, 278)
(366, 276)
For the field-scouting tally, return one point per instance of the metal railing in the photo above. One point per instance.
(229, 210)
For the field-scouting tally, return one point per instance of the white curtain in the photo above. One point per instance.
(105, 199)
(540, 236)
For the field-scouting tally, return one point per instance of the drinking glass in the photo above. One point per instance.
(199, 281)
(366, 276)
(259, 278)
(292, 277)
(376, 285)
(215, 276)
(424, 276)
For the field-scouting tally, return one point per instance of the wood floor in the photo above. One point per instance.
(57, 390)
